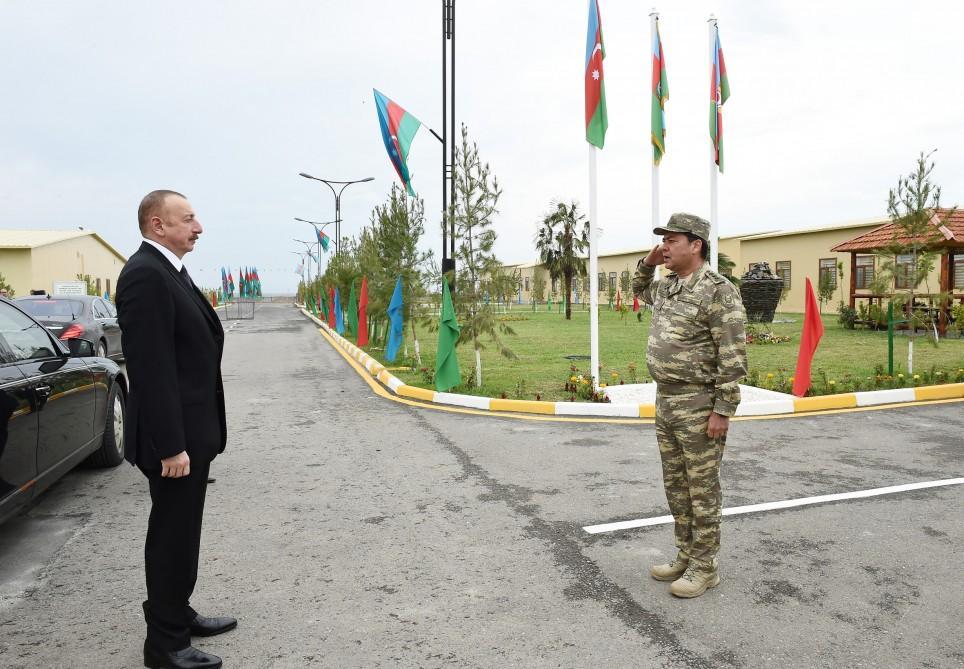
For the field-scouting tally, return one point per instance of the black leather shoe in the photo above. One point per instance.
(202, 626)
(188, 658)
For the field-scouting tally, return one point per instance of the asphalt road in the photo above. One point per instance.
(346, 530)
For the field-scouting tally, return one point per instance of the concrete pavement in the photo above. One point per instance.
(346, 530)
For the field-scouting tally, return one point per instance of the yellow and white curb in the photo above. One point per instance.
(797, 405)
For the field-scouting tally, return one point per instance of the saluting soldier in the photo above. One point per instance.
(697, 356)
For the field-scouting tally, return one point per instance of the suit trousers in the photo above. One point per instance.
(691, 468)
(171, 555)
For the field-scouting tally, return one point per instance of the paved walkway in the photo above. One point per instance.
(346, 530)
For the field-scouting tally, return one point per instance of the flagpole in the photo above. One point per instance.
(714, 218)
(654, 239)
(593, 274)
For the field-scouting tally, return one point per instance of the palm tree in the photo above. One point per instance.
(563, 236)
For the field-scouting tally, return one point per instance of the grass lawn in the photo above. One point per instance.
(847, 358)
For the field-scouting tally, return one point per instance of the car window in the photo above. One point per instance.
(110, 308)
(100, 311)
(22, 337)
(54, 307)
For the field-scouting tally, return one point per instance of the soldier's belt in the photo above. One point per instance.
(683, 388)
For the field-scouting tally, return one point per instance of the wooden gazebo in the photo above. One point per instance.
(949, 224)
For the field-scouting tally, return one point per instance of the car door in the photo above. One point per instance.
(19, 425)
(112, 330)
(63, 395)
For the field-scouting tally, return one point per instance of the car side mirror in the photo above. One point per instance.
(80, 348)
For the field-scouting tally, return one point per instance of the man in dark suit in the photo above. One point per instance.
(172, 341)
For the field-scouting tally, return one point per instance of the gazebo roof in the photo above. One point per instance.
(949, 222)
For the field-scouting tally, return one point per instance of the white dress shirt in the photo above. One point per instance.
(167, 253)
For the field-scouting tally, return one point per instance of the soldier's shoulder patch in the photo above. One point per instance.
(727, 299)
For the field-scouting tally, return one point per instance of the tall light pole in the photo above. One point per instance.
(301, 255)
(448, 135)
(318, 226)
(331, 184)
(308, 246)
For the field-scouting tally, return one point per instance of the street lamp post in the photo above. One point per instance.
(318, 226)
(337, 194)
(308, 246)
(301, 255)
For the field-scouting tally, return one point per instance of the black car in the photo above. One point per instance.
(78, 317)
(59, 406)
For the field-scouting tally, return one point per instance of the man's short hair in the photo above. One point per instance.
(704, 248)
(151, 203)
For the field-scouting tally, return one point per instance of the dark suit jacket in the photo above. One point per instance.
(172, 341)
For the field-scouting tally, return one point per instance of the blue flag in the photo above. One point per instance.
(396, 327)
(339, 316)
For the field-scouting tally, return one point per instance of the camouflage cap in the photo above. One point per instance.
(686, 223)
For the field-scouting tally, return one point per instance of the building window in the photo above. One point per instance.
(783, 271)
(98, 287)
(903, 271)
(585, 284)
(527, 284)
(575, 284)
(555, 285)
(864, 275)
(958, 272)
(109, 294)
(612, 281)
(601, 282)
(828, 272)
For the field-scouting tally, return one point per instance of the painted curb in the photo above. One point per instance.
(796, 405)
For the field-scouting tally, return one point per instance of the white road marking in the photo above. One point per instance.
(785, 504)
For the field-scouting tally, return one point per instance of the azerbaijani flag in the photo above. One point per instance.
(660, 96)
(596, 121)
(322, 239)
(719, 94)
(398, 130)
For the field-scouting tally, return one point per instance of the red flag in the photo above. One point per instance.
(635, 304)
(331, 308)
(363, 314)
(809, 338)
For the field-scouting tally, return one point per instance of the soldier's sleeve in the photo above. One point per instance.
(643, 285)
(727, 326)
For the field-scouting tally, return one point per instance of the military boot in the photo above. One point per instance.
(699, 576)
(671, 571)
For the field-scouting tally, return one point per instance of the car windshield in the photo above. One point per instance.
(55, 308)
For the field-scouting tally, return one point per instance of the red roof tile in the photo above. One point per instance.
(951, 234)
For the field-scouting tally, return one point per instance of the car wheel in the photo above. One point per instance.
(101, 349)
(111, 451)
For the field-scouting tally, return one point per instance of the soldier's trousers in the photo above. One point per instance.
(691, 467)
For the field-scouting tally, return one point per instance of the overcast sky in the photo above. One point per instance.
(226, 102)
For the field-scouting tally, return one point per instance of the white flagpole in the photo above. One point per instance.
(593, 274)
(714, 222)
(655, 239)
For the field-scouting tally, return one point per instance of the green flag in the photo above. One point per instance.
(447, 373)
(352, 310)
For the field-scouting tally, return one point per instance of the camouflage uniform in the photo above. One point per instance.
(697, 355)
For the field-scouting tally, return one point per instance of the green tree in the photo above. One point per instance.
(911, 206)
(6, 286)
(476, 198)
(388, 249)
(91, 284)
(625, 284)
(538, 286)
(563, 235)
(726, 267)
(825, 289)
